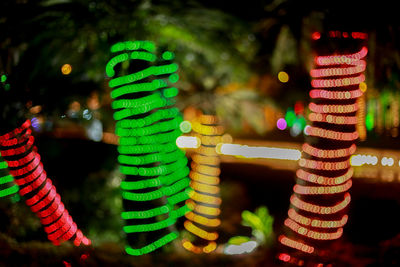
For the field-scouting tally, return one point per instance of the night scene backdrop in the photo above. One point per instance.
(201, 133)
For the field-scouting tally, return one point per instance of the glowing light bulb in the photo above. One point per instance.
(66, 69)
(281, 124)
(283, 77)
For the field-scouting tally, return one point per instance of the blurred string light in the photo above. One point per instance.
(245, 151)
(360, 160)
(41, 196)
(246, 247)
(66, 69)
(294, 120)
(7, 185)
(258, 152)
(281, 124)
(325, 167)
(387, 161)
(205, 201)
(283, 77)
(188, 142)
(185, 126)
(95, 130)
(148, 127)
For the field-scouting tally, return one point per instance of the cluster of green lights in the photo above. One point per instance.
(296, 123)
(148, 125)
(3, 79)
(5, 181)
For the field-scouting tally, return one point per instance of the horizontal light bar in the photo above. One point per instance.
(188, 142)
(258, 152)
(262, 152)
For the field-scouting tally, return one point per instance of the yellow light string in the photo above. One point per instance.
(204, 199)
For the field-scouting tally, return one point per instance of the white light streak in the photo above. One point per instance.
(188, 142)
(246, 247)
(258, 152)
(360, 160)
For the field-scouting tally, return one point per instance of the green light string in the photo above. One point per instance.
(153, 171)
(154, 182)
(153, 246)
(127, 215)
(5, 179)
(163, 191)
(151, 158)
(152, 129)
(150, 119)
(153, 70)
(179, 197)
(145, 214)
(135, 88)
(125, 113)
(150, 226)
(133, 45)
(147, 145)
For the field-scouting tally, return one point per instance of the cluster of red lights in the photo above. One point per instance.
(340, 34)
(325, 171)
(41, 195)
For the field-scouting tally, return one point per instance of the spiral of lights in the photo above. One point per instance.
(147, 125)
(317, 212)
(40, 194)
(204, 201)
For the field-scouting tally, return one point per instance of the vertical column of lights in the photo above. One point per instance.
(7, 185)
(156, 183)
(318, 205)
(17, 148)
(205, 201)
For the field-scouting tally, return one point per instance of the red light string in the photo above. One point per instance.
(324, 180)
(25, 165)
(349, 59)
(318, 209)
(341, 120)
(295, 216)
(329, 153)
(331, 134)
(312, 234)
(333, 108)
(322, 165)
(320, 198)
(317, 73)
(318, 190)
(318, 93)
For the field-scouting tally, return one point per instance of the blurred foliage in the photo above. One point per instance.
(47, 34)
(261, 223)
